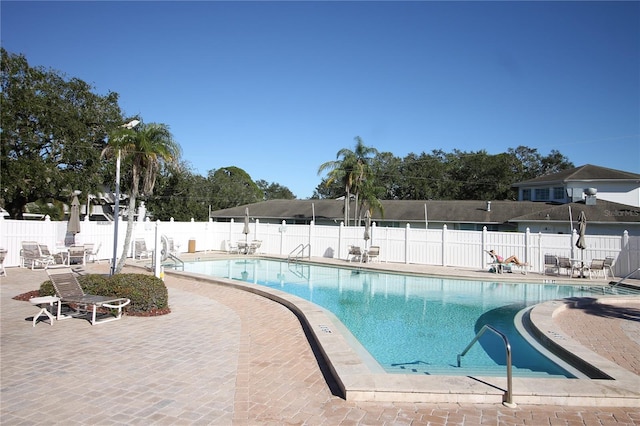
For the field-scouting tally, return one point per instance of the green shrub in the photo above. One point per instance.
(148, 294)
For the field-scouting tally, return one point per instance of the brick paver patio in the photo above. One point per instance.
(225, 356)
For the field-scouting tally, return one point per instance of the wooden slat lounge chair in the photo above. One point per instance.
(69, 291)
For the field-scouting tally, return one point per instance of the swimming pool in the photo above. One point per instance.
(412, 324)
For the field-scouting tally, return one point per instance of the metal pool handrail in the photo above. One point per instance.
(299, 250)
(508, 398)
(626, 276)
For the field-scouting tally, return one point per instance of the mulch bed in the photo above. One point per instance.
(152, 313)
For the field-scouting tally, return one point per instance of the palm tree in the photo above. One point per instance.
(353, 170)
(146, 148)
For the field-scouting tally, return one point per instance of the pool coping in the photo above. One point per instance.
(359, 380)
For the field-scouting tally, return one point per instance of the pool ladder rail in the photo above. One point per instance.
(508, 397)
(298, 252)
(625, 277)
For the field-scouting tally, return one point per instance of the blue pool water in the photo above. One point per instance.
(411, 324)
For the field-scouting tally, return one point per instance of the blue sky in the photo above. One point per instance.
(277, 88)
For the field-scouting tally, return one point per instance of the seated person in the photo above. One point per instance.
(510, 259)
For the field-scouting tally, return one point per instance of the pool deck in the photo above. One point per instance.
(226, 356)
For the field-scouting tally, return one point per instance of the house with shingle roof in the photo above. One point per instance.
(573, 185)
(557, 215)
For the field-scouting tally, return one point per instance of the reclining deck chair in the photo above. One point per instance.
(69, 291)
(501, 266)
(497, 266)
(31, 256)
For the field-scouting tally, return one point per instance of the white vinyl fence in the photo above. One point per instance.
(398, 245)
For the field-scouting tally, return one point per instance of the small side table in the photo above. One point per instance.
(45, 303)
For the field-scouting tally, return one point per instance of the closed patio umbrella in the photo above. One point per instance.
(582, 230)
(73, 227)
(246, 230)
(582, 243)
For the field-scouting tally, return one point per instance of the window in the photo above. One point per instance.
(558, 193)
(526, 194)
(542, 194)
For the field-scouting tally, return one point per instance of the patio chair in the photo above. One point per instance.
(3, 253)
(551, 264)
(140, 249)
(372, 254)
(31, 256)
(595, 267)
(58, 258)
(254, 247)
(355, 254)
(608, 266)
(69, 291)
(565, 263)
(91, 251)
(77, 254)
(231, 247)
(172, 247)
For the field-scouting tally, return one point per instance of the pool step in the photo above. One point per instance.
(448, 370)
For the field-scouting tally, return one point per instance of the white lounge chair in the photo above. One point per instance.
(372, 254)
(91, 251)
(69, 291)
(140, 250)
(3, 253)
(231, 247)
(355, 253)
(31, 256)
(551, 264)
(77, 254)
(608, 266)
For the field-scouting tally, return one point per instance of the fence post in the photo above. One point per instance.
(625, 248)
(484, 246)
(527, 251)
(255, 229)
(157, 248)
(283, 229)
(211, 232)
(540, 254)
(444, 244)
(311, 236)
(406, 243)
(340, 228)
